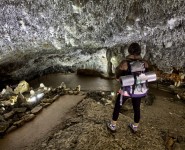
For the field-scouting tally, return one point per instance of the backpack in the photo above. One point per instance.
(135, 84)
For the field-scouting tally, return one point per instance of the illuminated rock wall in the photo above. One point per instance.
(62, 35)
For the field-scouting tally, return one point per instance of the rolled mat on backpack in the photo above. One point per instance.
(146, 77)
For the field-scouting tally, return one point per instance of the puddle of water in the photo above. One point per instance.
(73, 80)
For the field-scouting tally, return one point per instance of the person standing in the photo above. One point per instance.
(124, 69)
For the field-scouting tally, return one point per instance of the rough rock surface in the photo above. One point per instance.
(44, 36)
(85, 127)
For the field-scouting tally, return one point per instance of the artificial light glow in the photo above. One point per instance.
(32, 92)
(112, 93)
(39, 96)
(32, 99)
(35, 98)
(42, 85)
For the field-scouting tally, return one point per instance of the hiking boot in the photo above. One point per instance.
(133, 128)
(111, 127)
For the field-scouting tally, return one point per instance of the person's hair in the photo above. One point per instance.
(134, 49)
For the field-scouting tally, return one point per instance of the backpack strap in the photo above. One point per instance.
(134, 86)
(129, 66)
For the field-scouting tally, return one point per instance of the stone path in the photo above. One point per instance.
(35, 130)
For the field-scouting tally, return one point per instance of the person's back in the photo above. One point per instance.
(124, 69)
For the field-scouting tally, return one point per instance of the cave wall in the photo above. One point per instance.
(62, 35)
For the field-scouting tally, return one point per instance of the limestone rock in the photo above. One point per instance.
(47, 100)
(36, 109)
(3, 126)
(2, 110)
(1, 118)
(19, 123)
(44, 105)
(20, 110)
(70, 92)
(63, 85)
(22, 87)
(28, 117)
(8, 92)
(75, 92)
(6, 103)
(78, 88)
(9, 114)
(13, 99)
(55, 97)
(12, 128)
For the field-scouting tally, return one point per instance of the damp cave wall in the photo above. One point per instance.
(43, 36)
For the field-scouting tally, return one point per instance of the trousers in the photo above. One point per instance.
(136, 102)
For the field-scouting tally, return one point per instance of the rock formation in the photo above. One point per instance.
(44, 36)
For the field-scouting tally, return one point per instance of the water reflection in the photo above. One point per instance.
(72, 80)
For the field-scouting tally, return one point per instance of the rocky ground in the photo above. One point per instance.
(84, 127)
